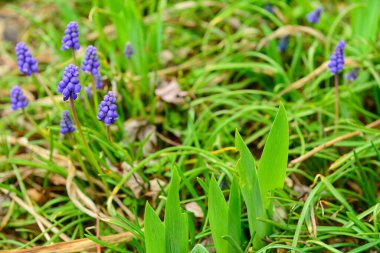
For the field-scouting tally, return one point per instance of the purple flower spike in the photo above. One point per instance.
(337, 58)
(283, 44)
(25, 61)
(269, 8)
(69, 86)
(352, 75)
(70, 39)
(107, 109)
(88, 92)
(18, 100)
(128, 51)
(91, 63)
(98, 81)
(66, 124)
(314, 16)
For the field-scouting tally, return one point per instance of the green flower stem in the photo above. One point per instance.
(336, 78)
(108, 133)
(90, 154)
(74, 57)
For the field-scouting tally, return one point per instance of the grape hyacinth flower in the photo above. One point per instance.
(337, 58)
(335, 65)
(107, 109)
(283, 44)
(66, 124)
(98, 81)
(314, 16)
(18, 100)
(128, 51)
(352, 75)
(88, 92)
(25, 61)
(269, 8)
(70, 40)
(69, 86)
(91, 63)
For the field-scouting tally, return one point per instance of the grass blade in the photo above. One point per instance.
(273, 162)
(218, 214)
(154, 232)
(176, 222)
(234, 215)
(250, 189)
(199, 249)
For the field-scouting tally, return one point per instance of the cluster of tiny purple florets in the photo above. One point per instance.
(71, 38)
(352, 75)
(337, 58)
(91, 63)
(98, 81)
(69, 86)
(314, 16)
(128, 51)
(18, 100)
(107, 109)
(25, 61)
(66, 124)
(283, 44)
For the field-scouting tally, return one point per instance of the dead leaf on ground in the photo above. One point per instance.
(140, 130)
(155, 188)
(40, 197)
(195, 209)
(170, 92)
(135, 182)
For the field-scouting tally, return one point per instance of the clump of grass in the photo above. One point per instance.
(204, 168)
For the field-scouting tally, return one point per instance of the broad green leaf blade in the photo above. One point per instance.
(234, 215)
(250, 189)
(154, 232)
(217, 209)
(199, 249)
(176, 223)
(274, 160)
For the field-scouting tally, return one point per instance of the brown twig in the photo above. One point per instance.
(331, 143)
(80, 245)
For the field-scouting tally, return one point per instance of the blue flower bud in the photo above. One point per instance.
(69, 86)
(107, 109)
(71, 38)
(18, 100)
(25, 61)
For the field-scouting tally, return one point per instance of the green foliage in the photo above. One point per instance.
(250, 189)
(172, 235)
(154, 232)
(218, 214)
(274, 159)
(257, 185)
(225, 220)
(199, 249)
(176, 222)
(212, 50)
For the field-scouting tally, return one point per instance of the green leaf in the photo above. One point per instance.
(250, 189)
(274, 159)
(199, 249)
(217, 209)
(176, 223)
(154, 232)
(234, 215)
